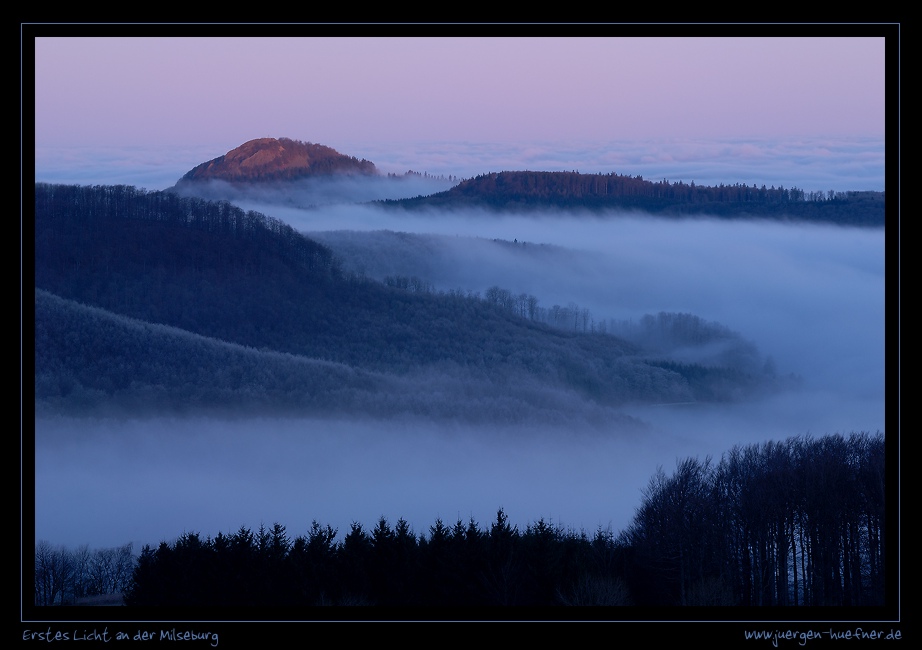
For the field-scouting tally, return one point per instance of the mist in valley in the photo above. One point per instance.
(810, 298)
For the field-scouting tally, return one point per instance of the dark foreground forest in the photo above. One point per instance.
(794, 523)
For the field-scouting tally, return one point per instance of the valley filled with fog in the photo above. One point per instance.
(809, 297)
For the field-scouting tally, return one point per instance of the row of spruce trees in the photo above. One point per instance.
(794, 523)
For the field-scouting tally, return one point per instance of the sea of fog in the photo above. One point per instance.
(811, 164)
(812, 297)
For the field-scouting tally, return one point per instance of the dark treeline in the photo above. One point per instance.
(522, 304)
(794, 523)
(800, 522)
(511, 190)
(410, 174)
(664, 330)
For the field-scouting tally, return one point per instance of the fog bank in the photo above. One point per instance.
(150, 481)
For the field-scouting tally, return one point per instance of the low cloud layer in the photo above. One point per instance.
(810, 296)
(811, 164)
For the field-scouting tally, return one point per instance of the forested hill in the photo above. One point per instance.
(276, 159)
(530, 190)
(211, 269)
(277, 162)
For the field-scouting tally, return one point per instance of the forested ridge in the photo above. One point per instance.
(212, 269)
(531, 190)
(793, 523)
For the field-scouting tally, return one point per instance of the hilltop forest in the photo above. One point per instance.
(544, 191)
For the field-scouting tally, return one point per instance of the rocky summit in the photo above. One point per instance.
(277, 159)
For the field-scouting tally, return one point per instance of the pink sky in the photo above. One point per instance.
(340, 91)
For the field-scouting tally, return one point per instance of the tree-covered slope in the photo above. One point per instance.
(87, 358)
(538, 190)
(240, 277)
(89, 361)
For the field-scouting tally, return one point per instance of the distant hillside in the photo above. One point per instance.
(211, 269)
(535, 190)
(277, 159)
(92, 359)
